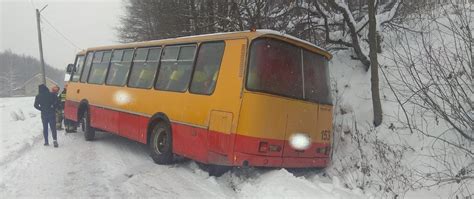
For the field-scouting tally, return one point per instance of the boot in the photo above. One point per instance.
(55, 144)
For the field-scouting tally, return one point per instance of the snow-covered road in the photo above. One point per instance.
(111, 166)
(115, 167)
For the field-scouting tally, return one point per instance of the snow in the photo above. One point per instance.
(115, 167)
(354, 113)
(271, 184)
(13, 126)
(412, 156)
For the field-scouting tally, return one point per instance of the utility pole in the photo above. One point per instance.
(43, 74)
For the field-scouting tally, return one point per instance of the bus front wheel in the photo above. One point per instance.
(89, 131)
(161, 144)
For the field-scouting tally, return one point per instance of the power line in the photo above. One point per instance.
(62, 35)
(55, 29)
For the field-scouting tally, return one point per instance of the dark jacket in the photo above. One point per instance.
(45, 101)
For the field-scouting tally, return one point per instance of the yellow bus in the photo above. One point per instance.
(252, 98)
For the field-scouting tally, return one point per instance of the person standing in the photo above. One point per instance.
(62, 100)
(47, 103)
(59, 112)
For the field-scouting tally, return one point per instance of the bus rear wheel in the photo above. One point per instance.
(89, 131)
(161, 144)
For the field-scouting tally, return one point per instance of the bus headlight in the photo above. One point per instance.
(300, 141)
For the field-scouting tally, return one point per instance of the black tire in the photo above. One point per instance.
(161, 150)
(89, 131)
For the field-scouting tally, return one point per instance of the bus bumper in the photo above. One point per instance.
(243, 159)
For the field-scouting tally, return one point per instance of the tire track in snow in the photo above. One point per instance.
(87, 176)
(14, 155)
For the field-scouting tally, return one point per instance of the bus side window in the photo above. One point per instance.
(208, 63)
(99, 67)
(119, 67)
(176, 68)
(144, 67)
(77, 73)
(87, 66)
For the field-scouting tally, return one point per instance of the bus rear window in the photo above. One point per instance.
(316, 78)
(275, 67)
(279, 68)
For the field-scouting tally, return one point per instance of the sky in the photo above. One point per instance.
(83, 23)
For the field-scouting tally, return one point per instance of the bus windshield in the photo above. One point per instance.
(279, 68)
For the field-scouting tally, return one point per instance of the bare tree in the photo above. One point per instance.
(149, 19)
(344, 26)
(374, 65)
(8, 77)
(437, 70)
(431, 79)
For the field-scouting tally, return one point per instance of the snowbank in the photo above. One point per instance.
(20, 126)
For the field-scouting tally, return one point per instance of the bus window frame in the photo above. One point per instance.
(107, 68)
(327, 74)
(75, 68)
(194, 67)
(146, 60)
(110, 64)
(196, 44)
(83, 67)
(249, 56)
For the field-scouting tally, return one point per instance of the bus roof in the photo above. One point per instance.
(219, 36)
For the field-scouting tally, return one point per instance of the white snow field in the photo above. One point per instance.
(115, 167)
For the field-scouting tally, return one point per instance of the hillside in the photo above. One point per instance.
(424, 147)
(16, 69)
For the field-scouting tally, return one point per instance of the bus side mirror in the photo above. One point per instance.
(70, 68)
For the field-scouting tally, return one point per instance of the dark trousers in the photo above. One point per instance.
(51, 120)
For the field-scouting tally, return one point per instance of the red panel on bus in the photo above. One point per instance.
(132, 126)
(97, 117)
(219, 142)
(70, 110)
(310, 152)
(190, 141)
(104, 119)
(248, 149)
(251, 145)
(112, 120)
